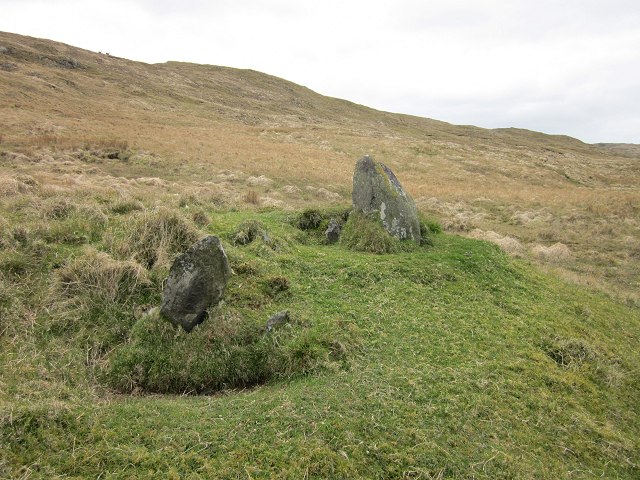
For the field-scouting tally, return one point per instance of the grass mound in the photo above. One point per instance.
(247, 232)
(226, 351)
(95, 276)
(94, 298)
(156, 236)
(314, 221)
(453, 361)
(310, 219)
(364, 234)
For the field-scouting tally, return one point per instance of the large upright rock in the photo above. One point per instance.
(377, 191)
(196, 281)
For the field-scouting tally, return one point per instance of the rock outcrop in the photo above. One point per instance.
(377, 191)
(196, 281)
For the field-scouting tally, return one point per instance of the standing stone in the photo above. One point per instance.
(333, 231)
(377, 191)
(196, 281)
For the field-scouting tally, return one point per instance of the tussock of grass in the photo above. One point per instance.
(276, 286)
(558, 252)
(200, 218)
(95, 297)
(310, 219)
(251, 197)
(155, 236)
(125, 205)
(253, 234)
(364, 234)
(57, 209)
(247, 232)
(96, 276)
(70, 222)
(16, 264)
(429, 226)
(579, 356)
(508, 244)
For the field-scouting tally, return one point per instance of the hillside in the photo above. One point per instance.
(204, 123)
(505, 347)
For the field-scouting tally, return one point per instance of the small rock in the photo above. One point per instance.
(69, 63)
(277, 319)
(196, 281)
(333, 231)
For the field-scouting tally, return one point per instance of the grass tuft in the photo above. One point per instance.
(364, 234)
(251, 197)
(124, 206)
(247, 232)
(95, 276)
(200, 218)
(310, 219)
(155, 237)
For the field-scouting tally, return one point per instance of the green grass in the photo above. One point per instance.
(447, 361)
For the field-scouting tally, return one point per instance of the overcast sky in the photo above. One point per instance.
(557, 66)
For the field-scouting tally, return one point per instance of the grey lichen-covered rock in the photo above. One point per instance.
(377, 191)
(277, 319)
(196, 281)
(333, 231)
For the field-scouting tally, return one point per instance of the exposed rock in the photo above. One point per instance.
(377, 191)
(333, 231)
(196, 281)
(8, 67)
(63, 62)
(277, 319)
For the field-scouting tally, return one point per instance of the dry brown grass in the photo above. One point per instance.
(508, 244)
(252, 197)
(158, 235)
(213, 133)
(96, 273)
(556, 253)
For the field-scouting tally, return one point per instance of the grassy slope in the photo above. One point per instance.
(462, 363)
(200, 121)
(451, 374)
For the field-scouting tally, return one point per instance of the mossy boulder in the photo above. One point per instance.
(377, 191)
(197, 281)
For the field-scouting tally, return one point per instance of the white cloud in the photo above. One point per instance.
(561, 67)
